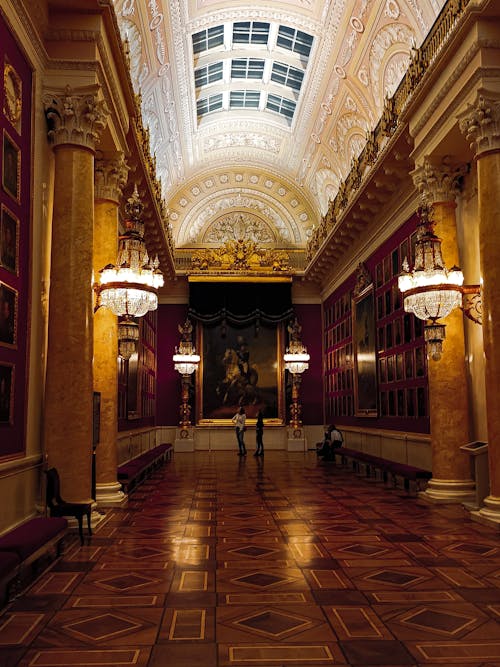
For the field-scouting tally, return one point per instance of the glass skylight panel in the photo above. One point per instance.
(248, 99)
(209, 104)
(208, 39)
(250, 32)
(294, 40)
(208, 74)
(247, 68)
(281, 105)
(287, 75)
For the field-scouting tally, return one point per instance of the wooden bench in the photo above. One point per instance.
(135, 471)
(375, 467)
(24, 545)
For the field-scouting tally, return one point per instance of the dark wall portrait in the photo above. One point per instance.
(365, 354)
(6, 393)
(9, 240)
(8, 315)
(239, 368)
(11, 167)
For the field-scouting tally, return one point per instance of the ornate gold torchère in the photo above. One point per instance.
(296, 361)
(185, 362)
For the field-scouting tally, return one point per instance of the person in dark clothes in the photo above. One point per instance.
(259, 433)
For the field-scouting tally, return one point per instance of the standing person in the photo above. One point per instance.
(259, 432)
(239, 421)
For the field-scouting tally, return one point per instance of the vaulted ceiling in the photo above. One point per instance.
(255, 110)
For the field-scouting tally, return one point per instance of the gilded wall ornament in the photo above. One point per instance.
(12, 104)
(240, 256)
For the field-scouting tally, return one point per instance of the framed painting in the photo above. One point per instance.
(9, 240)
(11, 167)
(365, 356)
(8, 316)
(6, 393)
(239, 367)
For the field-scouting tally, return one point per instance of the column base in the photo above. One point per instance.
(296, 441)
(110, 494)
(490, 513)
(184, 439)
(448, 491)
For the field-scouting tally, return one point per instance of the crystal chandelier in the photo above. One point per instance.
(186, 364)
(128, 335)
(296, 362)
(429, 290)
(129, 287)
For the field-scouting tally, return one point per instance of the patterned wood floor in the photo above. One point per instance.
(281, 561)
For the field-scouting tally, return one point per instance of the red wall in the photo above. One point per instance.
(311, 389)
(168, 388)
(13, 356)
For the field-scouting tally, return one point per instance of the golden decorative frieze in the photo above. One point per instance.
(242, 257)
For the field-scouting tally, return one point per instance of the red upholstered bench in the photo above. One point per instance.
(133, 472)
(25, 544)
(9, 569)
(368, 464)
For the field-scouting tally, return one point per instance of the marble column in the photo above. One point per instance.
(75, 120)
(438, 182)
(480, 123)
(110, 178)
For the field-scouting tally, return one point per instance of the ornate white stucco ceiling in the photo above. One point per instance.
(250, 171)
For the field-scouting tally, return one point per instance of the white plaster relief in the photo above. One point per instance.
(235, 226)
(276, 215)
(390, 38)
(251, 140)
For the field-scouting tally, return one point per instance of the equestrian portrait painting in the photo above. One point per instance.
(241, 366)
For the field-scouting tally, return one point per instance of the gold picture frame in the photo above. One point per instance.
(365, 353)
(9, 240)
(7, 376)
(8, 316)
(219, 382)
(11, 167)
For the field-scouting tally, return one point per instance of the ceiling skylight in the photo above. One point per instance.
(277, 58)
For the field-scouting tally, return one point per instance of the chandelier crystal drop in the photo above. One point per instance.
(129, 287)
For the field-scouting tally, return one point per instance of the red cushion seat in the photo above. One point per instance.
(30, 536)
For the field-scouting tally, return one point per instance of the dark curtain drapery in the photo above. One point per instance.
(240, 304)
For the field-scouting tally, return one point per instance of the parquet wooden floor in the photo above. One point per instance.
(280, 561)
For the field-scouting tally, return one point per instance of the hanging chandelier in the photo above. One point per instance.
(129, 287)
(431, 291)
(128, 336)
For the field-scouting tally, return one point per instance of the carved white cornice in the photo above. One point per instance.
(110, 177)
(75, 117)
(480, 122)
(439, 179)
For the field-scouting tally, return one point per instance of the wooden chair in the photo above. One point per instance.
(59, 507)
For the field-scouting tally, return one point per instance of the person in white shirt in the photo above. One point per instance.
(239, 421)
